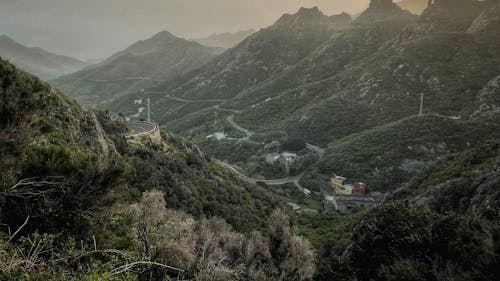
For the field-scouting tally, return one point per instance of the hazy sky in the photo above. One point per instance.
(97, 28)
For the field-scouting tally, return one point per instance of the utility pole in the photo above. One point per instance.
(149, 109)
(215, 119)
(421, 104)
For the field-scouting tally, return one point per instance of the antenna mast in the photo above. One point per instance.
(421, 104)
(149, 109)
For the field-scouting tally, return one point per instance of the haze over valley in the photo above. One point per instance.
(250, 140)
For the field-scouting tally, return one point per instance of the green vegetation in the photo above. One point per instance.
(387, 156)
(459, 183)
(395, 242)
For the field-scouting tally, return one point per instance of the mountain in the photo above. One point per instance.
(365, 75)
(38, 61)
(71, 174)
(381, 10)
(263, 55)
(225, 40)
(163, 57)
(414, 6)
(88, 150)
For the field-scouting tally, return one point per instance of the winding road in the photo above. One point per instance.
(295, 180)
(138, 128)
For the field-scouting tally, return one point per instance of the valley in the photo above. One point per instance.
(323, 146)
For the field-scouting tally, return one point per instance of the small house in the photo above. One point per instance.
(359, 189)
(337, 182)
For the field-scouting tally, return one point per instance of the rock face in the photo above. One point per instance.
(452, 15)
(488, 20)
(381, 10)
(341, 21)
(161, 58)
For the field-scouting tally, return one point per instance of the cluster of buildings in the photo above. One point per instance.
(285, 157)
(348, 197)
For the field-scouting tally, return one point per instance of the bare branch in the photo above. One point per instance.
(130, 266)
(19, 229)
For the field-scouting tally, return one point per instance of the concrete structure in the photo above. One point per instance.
(285, 157)
(271, 158)
(289, 157)
(307, 192)
(345, 203)
(217, 136)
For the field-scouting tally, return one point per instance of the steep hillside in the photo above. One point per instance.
(37, 61)
(225, 40)
(163, 57)
(73, 158)
(258, 57)
(386, 157)
(371, 74)
(442, 224)
(461, 182)
(95, 205)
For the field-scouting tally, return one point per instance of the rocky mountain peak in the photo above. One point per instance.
(163, 35)
(453, 15)
(341, 20)
(309, 11)
(380, 10)
(304, 19)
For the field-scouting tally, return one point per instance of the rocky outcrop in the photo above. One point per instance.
(489, 19)
(382, 10)
(341, 21)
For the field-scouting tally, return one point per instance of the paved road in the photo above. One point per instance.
(243, 177)
(140, 78)
(189, 101)
(139, 128)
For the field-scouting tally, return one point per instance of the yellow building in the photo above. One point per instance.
(345, 192)
(337, 182)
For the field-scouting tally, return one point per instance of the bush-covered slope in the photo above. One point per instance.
(389, 155)
(459, 183)
(57, 151)
(444, 224)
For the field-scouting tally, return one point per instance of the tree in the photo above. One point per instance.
(164, 236)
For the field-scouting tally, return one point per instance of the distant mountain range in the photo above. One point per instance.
(407, 104)
(324, 79)
(163, 57)
(225, 40)
(37, 61)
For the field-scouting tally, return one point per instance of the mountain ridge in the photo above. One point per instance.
(38, 61)
(225, 40)
(162, 57)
